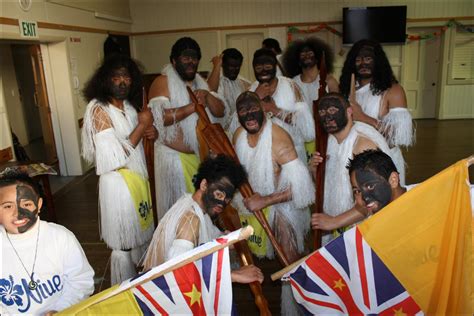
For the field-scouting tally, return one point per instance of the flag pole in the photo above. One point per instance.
(277, 275)
(470, 160)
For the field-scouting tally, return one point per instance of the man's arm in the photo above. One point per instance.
(145, 121)
(247, 274)
(327, 222)
(397, 124)
(159, 88)
(332, 84)
(215, 105)
(396, 97)
(187, 236)
(283, 152)
(77, 275)
(214, 76)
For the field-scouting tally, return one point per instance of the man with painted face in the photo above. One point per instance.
(273, 45)
(281, 182)
(346, 139)
(176, 150)
(44, 269)
(375, 181)
(111, 138)
(188, 223)
(230, 85)
(282, 99)
(380, 100)
(301, 61)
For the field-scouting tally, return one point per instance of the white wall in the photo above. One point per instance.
(186, 14)
(456, 99)
(153, 19)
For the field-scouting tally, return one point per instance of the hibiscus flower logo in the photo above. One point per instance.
(10, 293)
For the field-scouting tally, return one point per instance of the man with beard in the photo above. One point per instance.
(44, 269)
(301, 60)
(281, 98)
(111, 137)
(282, 184)
(176, 159)
(230, 85)
(346, 139)
(379, 101)
(188, 223)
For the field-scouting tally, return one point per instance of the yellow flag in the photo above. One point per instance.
(257, 242)
(139, 188)
(425, 239)
(190, 164)
(121, 304)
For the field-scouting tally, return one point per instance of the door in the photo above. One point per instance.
(421, 74)
(247, 44)
(42, 103)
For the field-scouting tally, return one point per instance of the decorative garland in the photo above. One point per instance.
(427, 36)
(311, 29)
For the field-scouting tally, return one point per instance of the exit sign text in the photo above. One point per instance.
(28, 29)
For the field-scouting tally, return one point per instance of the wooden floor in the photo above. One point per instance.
(439, 144)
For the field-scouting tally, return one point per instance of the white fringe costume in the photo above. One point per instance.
(105, 141)
(230, 90)
(396, 125)
(164, 239)
(301, 129)
(169, 176)
(259, 164)
(292, 216)
(309, 89)
(338, 196)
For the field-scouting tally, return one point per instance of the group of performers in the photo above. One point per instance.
(272, 128)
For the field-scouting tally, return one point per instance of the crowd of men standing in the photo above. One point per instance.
(271, 125)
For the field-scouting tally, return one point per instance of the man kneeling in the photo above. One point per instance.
(189, 221)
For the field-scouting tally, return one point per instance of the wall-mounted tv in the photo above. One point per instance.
(382, 24)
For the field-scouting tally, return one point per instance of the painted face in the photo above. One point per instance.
(121, 82)
(231, 68)
(217, 196)
(19, 208)
(264, 68)
(250, 116)
(332, 115)
(186, 64)
(373, 190)
(307, 58)
(365, 63)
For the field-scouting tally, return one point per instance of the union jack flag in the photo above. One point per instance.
(202, 287)
(347, 277)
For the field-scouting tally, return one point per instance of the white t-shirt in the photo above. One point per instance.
(63, 274)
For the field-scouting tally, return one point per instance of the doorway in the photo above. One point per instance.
(247, 44)
(421, 74)
(34, 121)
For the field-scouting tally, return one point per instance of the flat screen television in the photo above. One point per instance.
(385, 25)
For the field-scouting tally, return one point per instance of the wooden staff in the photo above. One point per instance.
(149, 149)
(212, 138)
(321, 143)
(218, 143)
